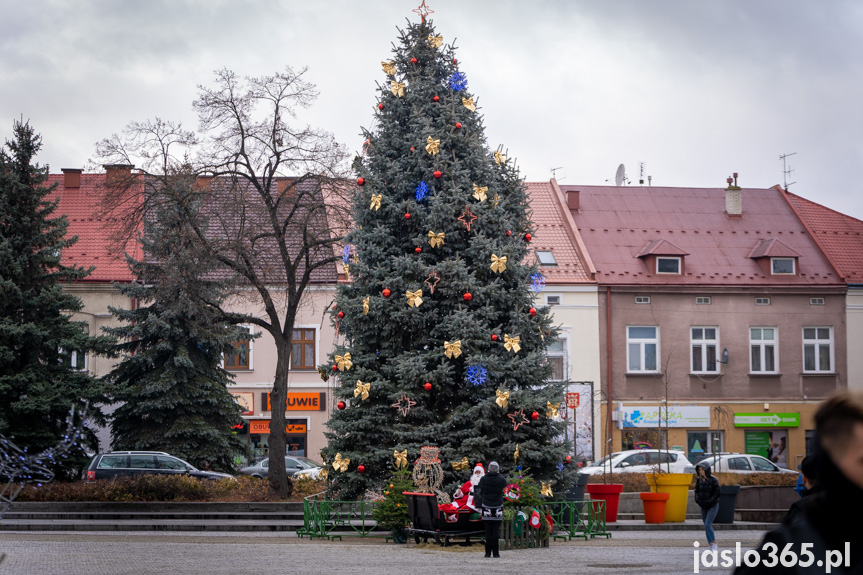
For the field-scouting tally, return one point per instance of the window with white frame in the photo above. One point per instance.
(546, 258)
(763, 350)
(782, 266)
(75, 360)
(817, 349)
(704, 343)
(642, 349)
(557, 358)
(240, 357)
(667, 265)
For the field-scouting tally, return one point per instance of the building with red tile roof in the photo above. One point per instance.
(720, 301)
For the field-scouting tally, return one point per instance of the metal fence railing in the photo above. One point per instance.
(322, 516)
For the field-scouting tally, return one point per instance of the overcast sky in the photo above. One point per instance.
(694, 89)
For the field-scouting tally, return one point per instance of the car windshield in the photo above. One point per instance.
(308, 462)
(602, 461)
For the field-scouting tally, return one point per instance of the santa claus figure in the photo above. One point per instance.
(464, 497)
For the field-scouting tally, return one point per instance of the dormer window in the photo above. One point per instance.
(782, 266)
(667, 265)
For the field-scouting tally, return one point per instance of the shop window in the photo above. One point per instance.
(817, 349)
(240, 357)
(763, 350)
(704, 341)
(303, 349)
(644, 439)
(642, 349)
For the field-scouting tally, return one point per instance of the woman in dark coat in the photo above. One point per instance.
(707, 497)
(491, 488)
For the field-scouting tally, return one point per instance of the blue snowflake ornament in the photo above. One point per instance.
(458, 81)
(538, 282)
(422, 191)
(346, 253)
(560, 465)
(476, 374)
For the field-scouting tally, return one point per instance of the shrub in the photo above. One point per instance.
(638, 482)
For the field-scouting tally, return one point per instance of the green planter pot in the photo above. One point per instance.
(677, 487)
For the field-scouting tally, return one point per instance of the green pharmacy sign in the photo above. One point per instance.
(767, 420)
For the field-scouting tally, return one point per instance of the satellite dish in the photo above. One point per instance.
(620, 176)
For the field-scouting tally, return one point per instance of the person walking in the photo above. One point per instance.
(707, 494)
(490, 489)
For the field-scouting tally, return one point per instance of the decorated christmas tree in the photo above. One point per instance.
(442, 343)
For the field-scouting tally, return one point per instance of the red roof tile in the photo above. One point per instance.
(840, 236)
(617, 222)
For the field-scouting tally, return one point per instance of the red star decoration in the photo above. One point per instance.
(467, 217)
(432, 280)
(404, 404)
(518, 415)
(423, 11)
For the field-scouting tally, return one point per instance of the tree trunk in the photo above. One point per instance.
(280, 484)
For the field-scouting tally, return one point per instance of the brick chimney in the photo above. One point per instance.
(733, 198)
(116, 174)
(203, 182)
(71, 177)
(572, 200)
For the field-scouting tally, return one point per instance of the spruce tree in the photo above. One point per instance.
(39, 381)
(171, 384)
(439, 319)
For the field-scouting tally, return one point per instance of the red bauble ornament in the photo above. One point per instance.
(418, 250)
(413, 149)
(413, 60)
(407, 216)
(467, 296)
(436, 99)
(568, 460)
(454, 61)
(341, 314)
(361, 468)
(528, 237)
(508, 233)
(532, 311)
(534, 416)
(458, 125)
(361, 181)
(381, 106)
(386, 292)
(340, 405)
(335, 306)
(494, 337)
(335, 368)
(427, 386)
(437, 174)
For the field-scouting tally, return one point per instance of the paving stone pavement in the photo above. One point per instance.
(153, 553)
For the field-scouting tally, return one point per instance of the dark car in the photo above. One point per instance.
(292, 465)
(134, 463)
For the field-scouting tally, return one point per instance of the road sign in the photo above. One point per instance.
(767, 420)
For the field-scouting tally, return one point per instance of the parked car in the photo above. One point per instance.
(641, 461)
(292, 466)
(741, 463)
(311, 473)
(133, 463)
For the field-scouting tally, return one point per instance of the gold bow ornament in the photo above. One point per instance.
(366, 305)
(436, 240)
(397, 88)
(340, 464)
(502, 398)
(344, 362)
(401, 458)
(346, 268)
(551, 410)
(376, 202)
(480, 192)
(498, 264)
(468, 103)
(432, 145)
(362, 390)
(389, 68)
(435, 41)
(452, 349)
(461, 465)
(499, 158)
(414, 297)
(511, 343)
(323, 474)
(546, 489)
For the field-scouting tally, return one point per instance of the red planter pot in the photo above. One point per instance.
(654, 506)
(610, 493)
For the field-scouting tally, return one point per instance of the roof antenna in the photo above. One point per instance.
(554, 172)
(786, 170)
(620, 177)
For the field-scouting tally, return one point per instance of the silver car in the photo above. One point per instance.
(292, 465)
(741, 463)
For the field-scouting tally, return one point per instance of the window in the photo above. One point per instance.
(113, 462)
(762, 301)
(782, 266)
(704, 343)
(142, 462)
(546, 258)
(818, 349)
(170, 463)
(552, 300)
(556, 354)
(665, 265)
(762, 350)
(642, 347)
(816, 301)
(240, 358)
(75, 360)
(739, 464)
(642, 299)
(761, 464)
(703, 300)
(303, 349)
